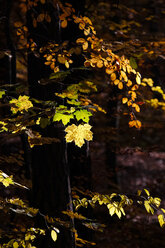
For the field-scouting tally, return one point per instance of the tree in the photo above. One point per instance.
(62, 93)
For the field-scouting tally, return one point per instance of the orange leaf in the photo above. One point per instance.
(113, 76)
(124, 100)
(64, 23)
(116, 82)
(120, 85)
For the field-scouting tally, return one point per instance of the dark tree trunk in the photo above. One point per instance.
(51, 164)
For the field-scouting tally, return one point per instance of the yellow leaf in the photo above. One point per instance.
(148, 207)
(149, 81)
(15, 245)
(118, 212)
(124, 76)
(157, 201)
(112, 210)
(78, 134)
(147, 192)
(163, 210)
(161, 220)
(54, 235)
(66, 64)
(138, 78)
(21, 104)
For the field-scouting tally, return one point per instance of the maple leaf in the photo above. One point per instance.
(78, 134)
(65, 118)
(21, 104)
(83, 114)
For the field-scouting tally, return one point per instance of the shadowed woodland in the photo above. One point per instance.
(82, 113)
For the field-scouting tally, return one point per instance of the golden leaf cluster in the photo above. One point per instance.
(56, 54)
(85, 24)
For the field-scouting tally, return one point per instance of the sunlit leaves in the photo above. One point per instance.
(135, 123)
(161, 220)
(63, 114)
(65, 118)
(54, 235)
(15, 245)
(82, 42)
(114, 202)
(20, 104)
(82, 114)
(2, 92)
(136, 106)
(113, 76)
(148, 207)
(5, 179)
(124, 100)
(78, 134)
(138, 78)
(85, 24)
(149, 81)
(3, 126)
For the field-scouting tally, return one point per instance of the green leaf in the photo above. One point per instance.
(87, 87)
(2, 92)
(73, 102)
(54, 235)
(65, 118)
(44, 122)
(83, 114)
(133, 63)
(59, 75)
